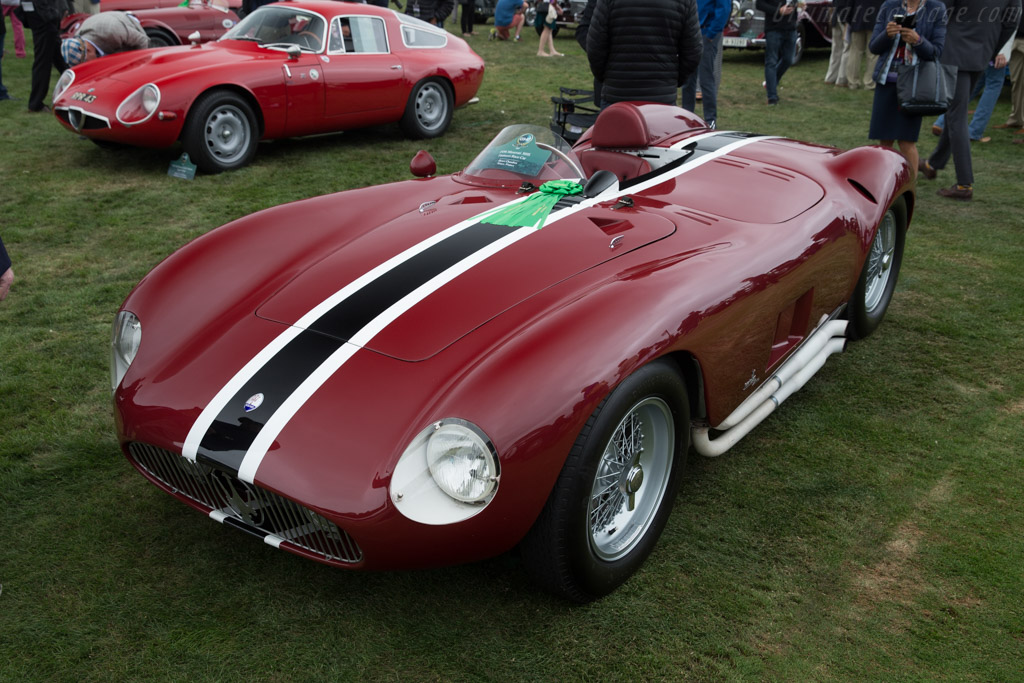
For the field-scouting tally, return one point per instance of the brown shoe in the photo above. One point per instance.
(1004, 126)
(962, 192)
(983, 140)
(927, 171)
(936, 130)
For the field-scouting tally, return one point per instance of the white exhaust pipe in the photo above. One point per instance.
(829, 338)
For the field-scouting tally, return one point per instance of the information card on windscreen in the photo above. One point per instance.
(521, 155)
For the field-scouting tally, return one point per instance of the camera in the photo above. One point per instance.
(906, 21)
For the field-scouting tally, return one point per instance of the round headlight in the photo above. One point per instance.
(447, 474)
(461, 463)
(124, 345)
(139, 106)
(63, 83)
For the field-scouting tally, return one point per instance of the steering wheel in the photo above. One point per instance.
(307, 39)
(562, 155)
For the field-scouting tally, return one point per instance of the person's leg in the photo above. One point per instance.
(708, 80)
(688, 92)
(858, 43)
(1016, 118)
(772, 41)
(45, 44)
(908, 149)
(836, 56)
(517, 23)
(992, 85)
(786, 53)
(956, 124)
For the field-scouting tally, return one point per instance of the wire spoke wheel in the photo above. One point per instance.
(880, 260)
(631, 479)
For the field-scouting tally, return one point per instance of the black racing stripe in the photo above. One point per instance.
(354, 313)
(233, 431)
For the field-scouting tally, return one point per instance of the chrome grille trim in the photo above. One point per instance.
(283, 520)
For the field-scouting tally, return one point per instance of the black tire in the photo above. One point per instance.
(221, 133)
(158, 38)
(429, 109)
(877, 282)
(586, 541)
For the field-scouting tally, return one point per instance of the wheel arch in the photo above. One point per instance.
(162, 31)
(234, 89)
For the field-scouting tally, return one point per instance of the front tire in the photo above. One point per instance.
(877, 281)
(221, 133)
(429, 110)
(614, 495)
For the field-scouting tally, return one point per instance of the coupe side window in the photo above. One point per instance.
(358, 34)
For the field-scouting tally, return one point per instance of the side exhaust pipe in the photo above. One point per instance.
(829, 338)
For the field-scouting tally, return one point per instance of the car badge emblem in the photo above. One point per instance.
(752, 381)
(314, 74)
(227, 23)
(254, 402)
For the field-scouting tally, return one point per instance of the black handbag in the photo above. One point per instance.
(925, 88)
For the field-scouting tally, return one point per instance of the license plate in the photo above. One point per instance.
(735, 42)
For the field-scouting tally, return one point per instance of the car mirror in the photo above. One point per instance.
(293, 51)
(423, 165)
(194, 37)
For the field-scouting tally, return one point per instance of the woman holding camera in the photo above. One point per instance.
(906, 31)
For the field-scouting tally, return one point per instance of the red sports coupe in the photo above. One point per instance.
(285, 70)
(523, 353)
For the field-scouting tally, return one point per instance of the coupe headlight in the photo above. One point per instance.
(139, 106)
(448, 473)
(63, 83)
(124, 345)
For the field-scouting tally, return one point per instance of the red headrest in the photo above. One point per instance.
(620, 126)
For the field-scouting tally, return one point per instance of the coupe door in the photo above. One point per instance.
(365, 82)
(304, 83)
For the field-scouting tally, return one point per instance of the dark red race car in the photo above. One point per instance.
(287, 69)
(199, 22)
(523, 353)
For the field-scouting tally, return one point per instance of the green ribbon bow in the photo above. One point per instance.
(535, 209)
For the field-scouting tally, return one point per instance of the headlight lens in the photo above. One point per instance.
(139, 106)
(63, 83)
(461, 463)
(449, 473)
(124, 345)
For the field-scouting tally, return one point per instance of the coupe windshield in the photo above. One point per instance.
(280, 27)
(523, 153)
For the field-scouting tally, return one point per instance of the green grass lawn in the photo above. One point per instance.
(871, 529)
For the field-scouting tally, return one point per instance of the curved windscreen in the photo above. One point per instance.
(523, 153)
(280, 26)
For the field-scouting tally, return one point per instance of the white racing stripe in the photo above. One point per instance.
(277, 422)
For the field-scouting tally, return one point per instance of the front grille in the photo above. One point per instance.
(252, 506)
(82, 120)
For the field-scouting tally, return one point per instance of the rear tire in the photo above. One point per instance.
(429, 110)
(877, 281)
(616, 489)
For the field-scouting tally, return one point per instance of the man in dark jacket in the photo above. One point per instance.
(974, 34)
(643, 50)
(780, 18)
(431, 11)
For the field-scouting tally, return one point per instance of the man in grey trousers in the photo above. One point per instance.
(974, 34)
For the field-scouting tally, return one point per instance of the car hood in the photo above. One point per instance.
(419, 282)
(152, 65)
